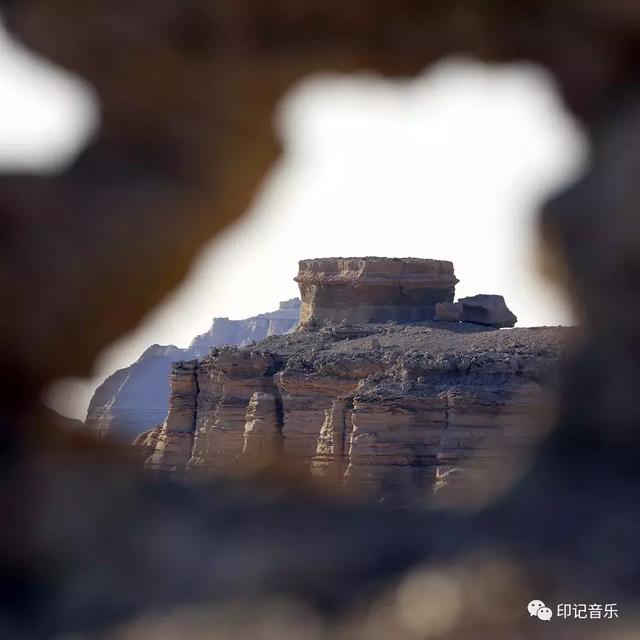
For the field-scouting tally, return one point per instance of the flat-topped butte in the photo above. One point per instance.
(373, 289)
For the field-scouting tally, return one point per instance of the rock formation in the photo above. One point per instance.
(241, 332)
(373, 289)
(136, 397)
(262, 429)
(166, 171)
(448, 312)
(487, 310)
(390, 411)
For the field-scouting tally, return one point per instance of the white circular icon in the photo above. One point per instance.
(544, 613)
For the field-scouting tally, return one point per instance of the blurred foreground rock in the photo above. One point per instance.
(187, 93)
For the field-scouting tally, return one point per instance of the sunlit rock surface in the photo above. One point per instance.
(398, 413)
(373, 289)
(136, 398)
(394, 408)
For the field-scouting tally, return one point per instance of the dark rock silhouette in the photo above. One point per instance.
(488, 310)
(483, 309)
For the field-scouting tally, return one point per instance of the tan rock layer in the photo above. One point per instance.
(262, 430)
(373, 289)
(175, 439)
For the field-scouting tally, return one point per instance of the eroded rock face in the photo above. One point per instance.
(373, 289)
(262, 430)
(136, 397)
(391, 412)
(174, 441)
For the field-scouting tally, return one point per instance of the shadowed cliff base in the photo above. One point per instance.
(187, 93)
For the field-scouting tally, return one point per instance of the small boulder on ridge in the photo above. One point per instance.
(487, 310)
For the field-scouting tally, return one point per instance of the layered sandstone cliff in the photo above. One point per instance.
(369, 393)
(395, 412)
(136, 397)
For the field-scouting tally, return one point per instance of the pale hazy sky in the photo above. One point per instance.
(452, 165)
